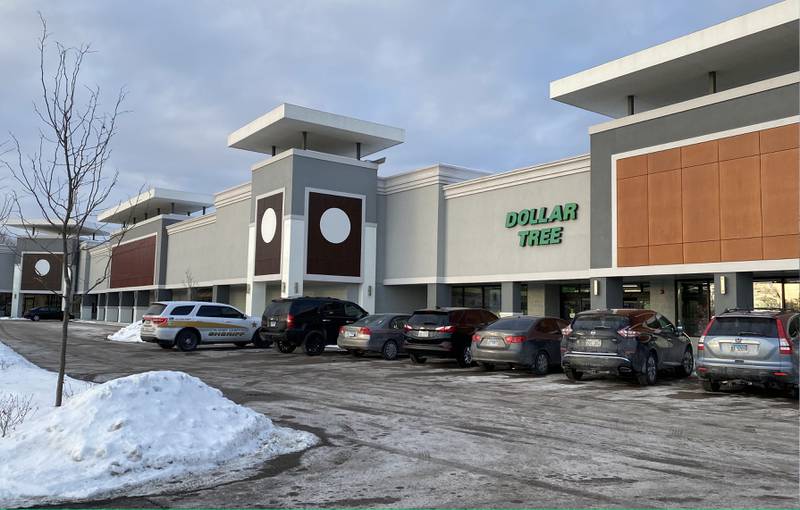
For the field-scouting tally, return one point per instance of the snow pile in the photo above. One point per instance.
(129, 333)
(136, 435)
(20, 377)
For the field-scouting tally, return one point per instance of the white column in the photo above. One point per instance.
(251, 264)
(293, 257)
(366, 291)
(16, 296)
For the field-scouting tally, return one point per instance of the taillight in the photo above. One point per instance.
(156, 320)
(476, 338)
(446, 329)
(407, 327)
(289, 321)
(567, 331)
(341, 330)
(627, 333)
(785, 346)
(515, 339)
(364, 331)
(701, 343)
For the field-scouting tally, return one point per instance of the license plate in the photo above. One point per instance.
(593, 342)
(739, 347)
(349, 333)
(422, 334)
(273, 323)
(493, 342)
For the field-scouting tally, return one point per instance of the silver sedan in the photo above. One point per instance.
(381, 333)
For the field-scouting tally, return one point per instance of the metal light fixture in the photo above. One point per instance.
(596, 287)
(723, 285)
(369, 290)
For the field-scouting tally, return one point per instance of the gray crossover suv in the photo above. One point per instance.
(620, 342)
(523, 341)
(754, 346)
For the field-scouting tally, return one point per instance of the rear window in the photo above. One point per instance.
(182, 310)
(304, 306)
(589, 322)
(278, 308)
(372, 321)
(513, 323)
(155, 309)
(428, 319)
(744, 326)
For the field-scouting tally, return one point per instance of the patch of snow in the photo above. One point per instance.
(13, 319)
(142, 434)
(129, 333)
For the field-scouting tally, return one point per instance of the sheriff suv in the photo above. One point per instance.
(187, 324)
(753, 346)
(312, 322)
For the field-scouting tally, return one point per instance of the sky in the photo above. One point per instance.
(467, 79)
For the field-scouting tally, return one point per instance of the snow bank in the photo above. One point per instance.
(136, 435)
(129, 333)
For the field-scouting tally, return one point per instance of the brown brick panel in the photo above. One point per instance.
(740, 198)
(779, 138)
(699, 154)
(631, 204)
(268, 255)
(664, 207)
(739, 146)
(133, 263)
(704, 251)
(741, 249)
(32, 280)
(664, 160)
(700, 203)
(780, 192)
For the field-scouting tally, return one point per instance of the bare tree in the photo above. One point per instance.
(189, 281)
(66, 176)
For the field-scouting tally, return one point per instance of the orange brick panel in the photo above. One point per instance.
(631, 167)
(779, 138)
(666, 254)
(631, 212)
(664, 207)
(780, 192)
(782, 247)
(627, 257)
(740, 146)
(699, 154)
(741, 249)
(705, 251)
(740, 199)
(661, 161)
(700, 204)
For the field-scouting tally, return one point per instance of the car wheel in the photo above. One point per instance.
(285, 347)
(258, 341)
(541, 364)
(573, 375)
(35, 318)
(187, 340)
(648, 376)
(487, 366)
(417, 359)
(166, 345)
(390, 350)
(687, 363)
(314, 343)
(710, 385)
(464, 359)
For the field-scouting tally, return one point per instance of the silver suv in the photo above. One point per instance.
(754, 346)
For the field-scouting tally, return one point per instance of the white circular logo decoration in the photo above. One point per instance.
(269, 224)
(42, 267)
(335, 225)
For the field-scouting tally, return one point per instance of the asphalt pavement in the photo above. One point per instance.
(395, 434)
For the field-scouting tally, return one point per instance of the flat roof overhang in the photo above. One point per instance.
(39, 225)
(156, 201)
(756, 46)
(283, 128)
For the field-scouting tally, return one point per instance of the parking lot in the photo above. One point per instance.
(401, 435)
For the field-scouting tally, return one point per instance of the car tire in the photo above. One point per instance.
(258, 341)
(687, 363)
(649, 375)
(390, 350)
(166, 345)
(187, 340)
(541, 363)
(573, 375)
(489, 367)
(464, 357)
(35, 318)
(314, 343)
(417, 359)
(285, 347)
(710, 385)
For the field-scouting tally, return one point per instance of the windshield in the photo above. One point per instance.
(372, 321)
(744, 326)
(512, 323)
(589, 322)
(428, 319)
(155, 309)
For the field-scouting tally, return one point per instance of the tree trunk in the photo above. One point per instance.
(66, 304)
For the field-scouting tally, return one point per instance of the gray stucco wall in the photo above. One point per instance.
(217, 251)
(409, 226)
(478, 243)
(744, 111)
(7, 259)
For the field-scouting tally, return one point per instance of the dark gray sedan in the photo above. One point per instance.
(382, 333)
(522, 341)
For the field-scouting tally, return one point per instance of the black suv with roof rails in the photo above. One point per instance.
(444, 333)
(313, 322)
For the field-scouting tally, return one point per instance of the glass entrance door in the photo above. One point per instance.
(695, 305)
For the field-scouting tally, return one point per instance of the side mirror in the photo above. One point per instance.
(679, 330)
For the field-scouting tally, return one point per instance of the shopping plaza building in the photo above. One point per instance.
(688, 203)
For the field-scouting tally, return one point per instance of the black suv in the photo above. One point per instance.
(625, 342)
(311, 321)
(445, 333)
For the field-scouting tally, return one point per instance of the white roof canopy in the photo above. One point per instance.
(156, 201)
(37, 226)
(283, 128)
(756, 46)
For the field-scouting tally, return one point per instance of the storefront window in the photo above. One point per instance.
(636, 295)
(477, 296)
(574, 299)
(791, 295)
(768, 294)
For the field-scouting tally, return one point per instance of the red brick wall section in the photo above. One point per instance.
(732, 199)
